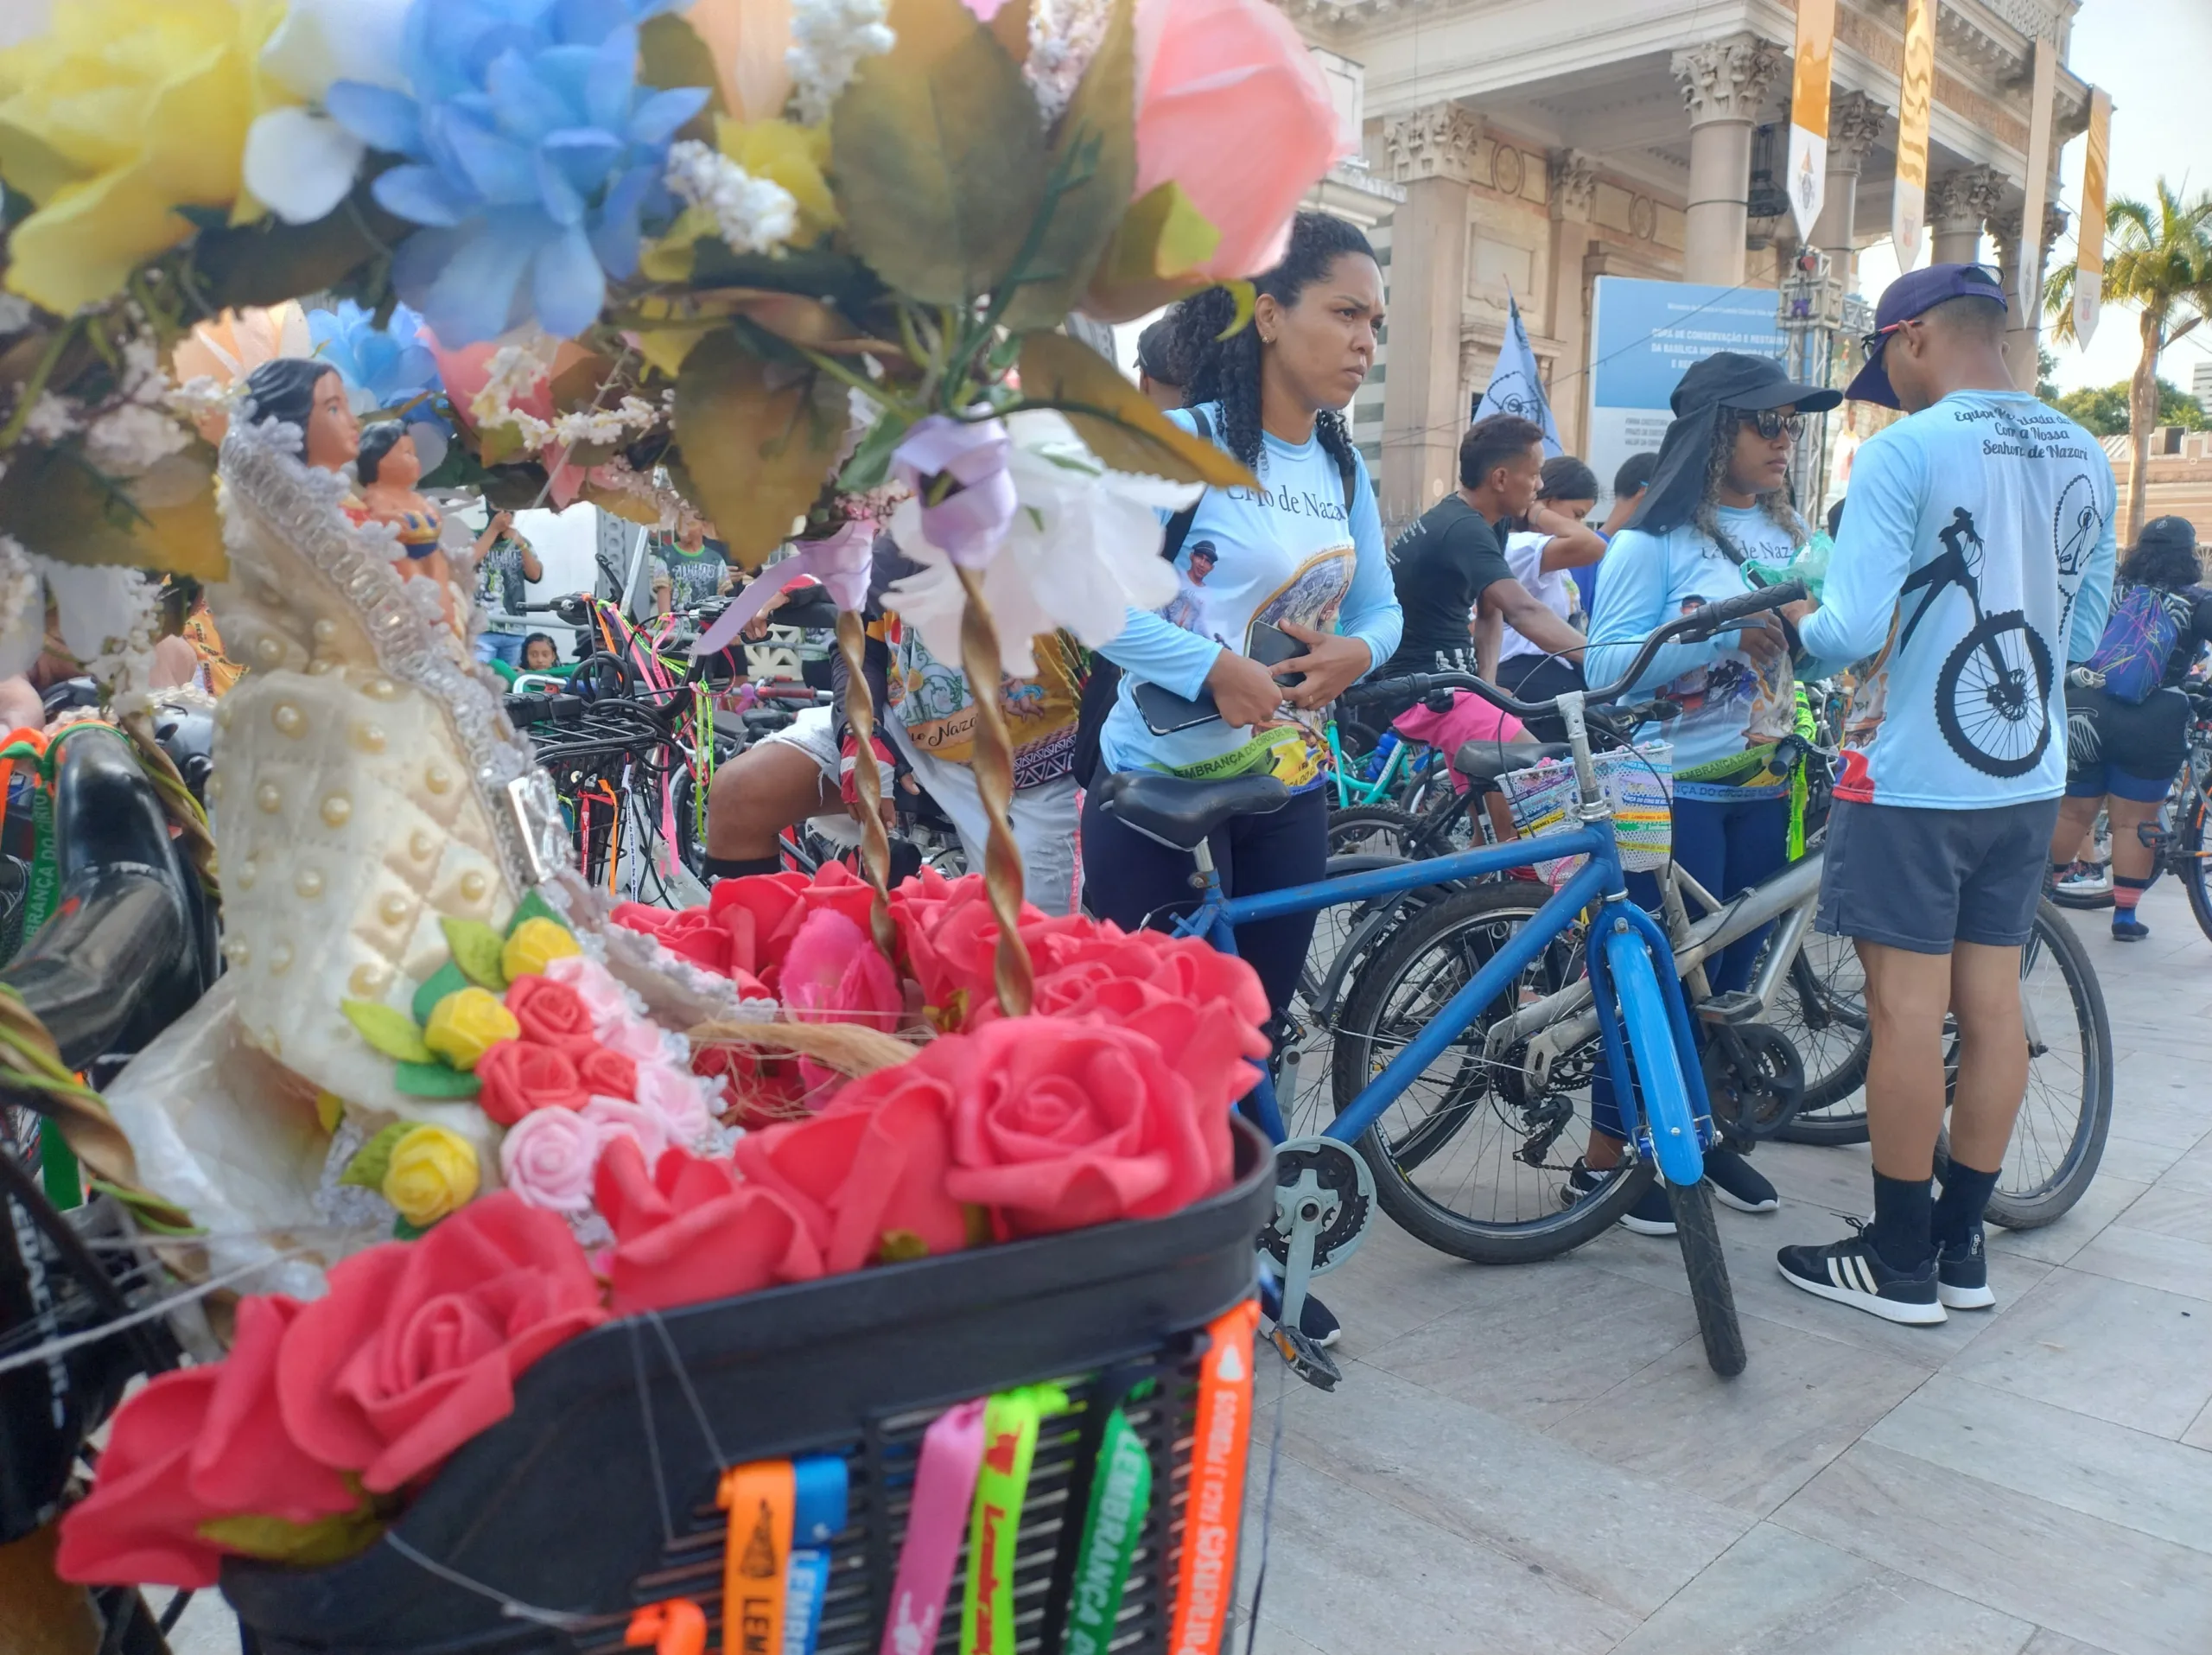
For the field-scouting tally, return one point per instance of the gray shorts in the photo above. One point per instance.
(1922, 879)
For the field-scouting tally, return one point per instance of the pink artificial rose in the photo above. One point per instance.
(637, 1039)
(618, 1116)
(833, 973)
(677, 1100)
(1231, 106)
(689, 1230)
(594, 984)
(547, 1159)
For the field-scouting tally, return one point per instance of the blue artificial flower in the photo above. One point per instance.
(389, 365)
(532, 158)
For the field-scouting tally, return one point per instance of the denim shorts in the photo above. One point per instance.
(1924, 879)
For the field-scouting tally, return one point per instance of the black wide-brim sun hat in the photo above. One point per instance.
(1725, 379)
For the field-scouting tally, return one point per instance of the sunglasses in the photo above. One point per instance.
(1870, 343)
(1771, 422)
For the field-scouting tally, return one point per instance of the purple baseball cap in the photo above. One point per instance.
(1909, 296)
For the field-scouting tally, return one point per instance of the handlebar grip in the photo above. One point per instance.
(1719, 617)
(1362, 695)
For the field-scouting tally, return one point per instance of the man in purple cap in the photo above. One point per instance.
(1975, 563)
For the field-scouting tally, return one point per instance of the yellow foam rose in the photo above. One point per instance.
(433, 1172)
(124, 110)
(535, 945)
(468, 1023)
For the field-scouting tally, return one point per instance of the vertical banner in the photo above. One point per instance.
(1915, 92)
(2038, 185)
(2089, 265)
(1809, 113)
(1517, 384)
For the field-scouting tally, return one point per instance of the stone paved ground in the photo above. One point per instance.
(1538, 1460)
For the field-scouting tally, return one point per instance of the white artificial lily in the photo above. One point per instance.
(1083, 549)
(298, 161)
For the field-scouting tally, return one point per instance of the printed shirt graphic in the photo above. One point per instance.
(1286, 553)
(931, 704)
(1975, 561)
(1731, 705)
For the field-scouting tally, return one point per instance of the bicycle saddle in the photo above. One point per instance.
(1488, 760)
(1180, 814)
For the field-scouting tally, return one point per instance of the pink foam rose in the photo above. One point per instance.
(617, 1116)
(638, 1040)
(547, 1159)
(595, 985)
(677, 1100)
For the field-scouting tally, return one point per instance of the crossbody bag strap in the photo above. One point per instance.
(1179, 526)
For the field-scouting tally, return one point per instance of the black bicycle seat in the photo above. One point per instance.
(1488, 760)
(1180, 814)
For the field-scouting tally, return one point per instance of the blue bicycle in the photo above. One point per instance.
(1325, 1187)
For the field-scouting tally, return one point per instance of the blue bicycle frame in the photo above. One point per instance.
(1658, 1079)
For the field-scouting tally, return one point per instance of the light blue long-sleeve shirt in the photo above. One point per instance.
(1290, 553)
(1975, 560)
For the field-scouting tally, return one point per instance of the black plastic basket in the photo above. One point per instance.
(558, 1507)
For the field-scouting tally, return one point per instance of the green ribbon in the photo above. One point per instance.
(1257, 754)
(46, 874)
(1121, 1495)
(1011, 1422)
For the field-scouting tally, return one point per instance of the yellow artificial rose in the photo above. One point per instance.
(535, 945)
(433, 1172)
(468, 1023)
(123, 112)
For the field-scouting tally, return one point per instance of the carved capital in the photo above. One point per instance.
(1728, 80)
(1574, 184)
(1964, 201)
(1855, 121)
(1439, 142)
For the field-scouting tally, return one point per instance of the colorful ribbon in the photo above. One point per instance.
(818, 1510)
(969, 522)
(1120, 1497)
(843, 563)
(756, 1561)
(1011, 1421)
(1218, 1440)
(944, 1488)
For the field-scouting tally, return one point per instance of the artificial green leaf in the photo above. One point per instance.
(534, 906)
(870, 465)
(55, 502)
(448, 978)
(1094, 170)
(403, 1230)
(476, 949)
(628, 507)
(1116, 419)
(434, 1080)
(388, 1029)
(1248, 299)
(305, 1545)
(665, 346)
(759, 439)
(1010, 26)
(671, 54)
(936, 151)
(269, 261)
(1154, 256)
(580, 385)
(373, 1159)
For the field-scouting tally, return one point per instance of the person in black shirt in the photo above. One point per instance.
(1452, 581)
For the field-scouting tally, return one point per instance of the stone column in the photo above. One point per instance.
(1854, 122)
(1573, 193)
(2024, 334)
(1958, 205)
(1433, 153)
(1724, 84)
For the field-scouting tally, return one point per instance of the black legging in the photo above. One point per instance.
(1132, 880)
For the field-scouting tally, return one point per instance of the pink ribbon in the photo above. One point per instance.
(936, 1522)
(969, 524)
(842, 562)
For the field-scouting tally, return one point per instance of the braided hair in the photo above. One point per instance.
(1774, 503)
(1227, 371)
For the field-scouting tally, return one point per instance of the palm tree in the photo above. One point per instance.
(2160, 261)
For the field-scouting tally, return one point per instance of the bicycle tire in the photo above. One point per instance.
(2191, 869)
(1985, 634)
(1826, 1118)
(2051, 1198)
(1706, 1266)
(1550, 1232)
(1371, 829)
(2082, 902)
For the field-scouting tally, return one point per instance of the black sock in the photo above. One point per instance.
(738, 866)
(1958, 1213)
(1903, 1219)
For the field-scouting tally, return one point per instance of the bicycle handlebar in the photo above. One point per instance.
(1704, 623)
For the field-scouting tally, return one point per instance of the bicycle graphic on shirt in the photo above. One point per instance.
(1992, 695)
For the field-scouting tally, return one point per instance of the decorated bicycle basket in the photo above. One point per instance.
(824, 1267)
(1638, 782)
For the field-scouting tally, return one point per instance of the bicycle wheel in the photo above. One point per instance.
(1471, 1159)
(1993, 696)
(1706, 1266)
(1822, 1012)
(1371, 830)
(1343, 935)
(2189, 862)
(2059, 1137)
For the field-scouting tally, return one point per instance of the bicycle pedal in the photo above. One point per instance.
(1306, 1359)
(1737, 1006)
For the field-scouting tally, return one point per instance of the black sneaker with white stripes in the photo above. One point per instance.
(1852, 1272)
(1962, 1275)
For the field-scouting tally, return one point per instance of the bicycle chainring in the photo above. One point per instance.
(1348, 1193)
(1755, 1078)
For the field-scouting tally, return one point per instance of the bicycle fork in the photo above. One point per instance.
(1671, 1130)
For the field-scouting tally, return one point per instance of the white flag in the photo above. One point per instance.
(1515, 386)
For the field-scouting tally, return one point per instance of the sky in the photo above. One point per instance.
(2154, 56)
